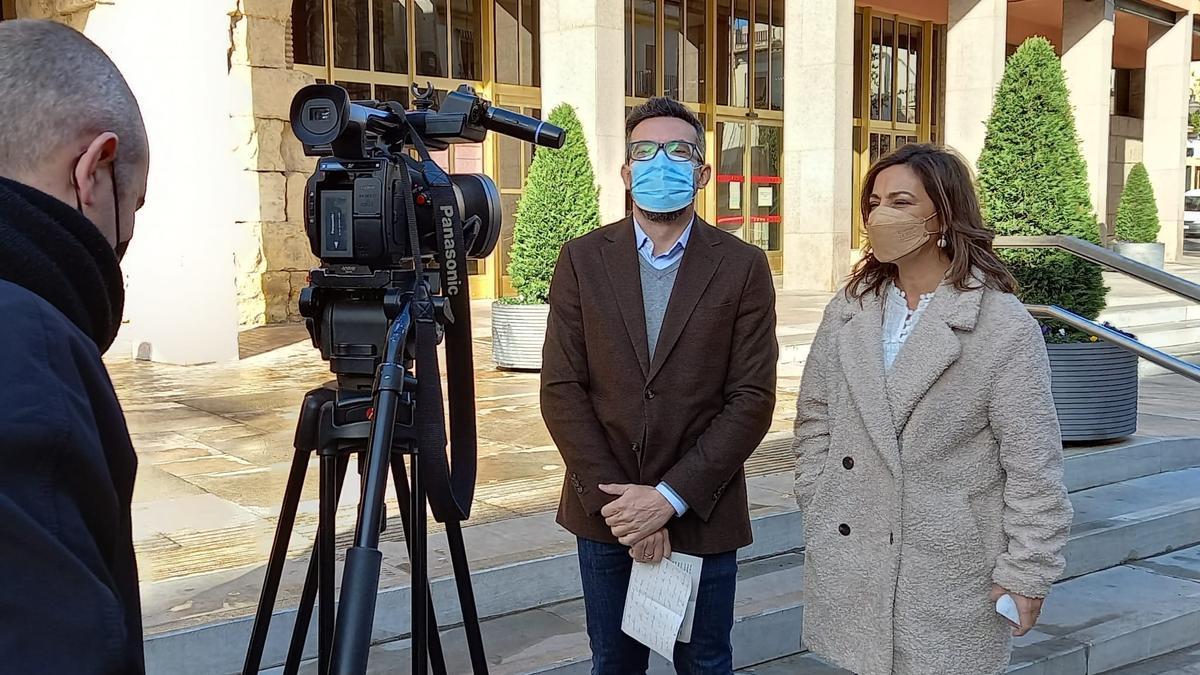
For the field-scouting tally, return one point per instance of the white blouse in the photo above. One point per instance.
(899, 321)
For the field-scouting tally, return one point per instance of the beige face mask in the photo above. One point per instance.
(895, 233)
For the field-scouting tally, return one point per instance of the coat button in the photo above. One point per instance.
(848, 463)
(844, 529)
(649, 393)
(635, 447)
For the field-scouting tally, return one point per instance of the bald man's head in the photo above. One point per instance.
(70, 123)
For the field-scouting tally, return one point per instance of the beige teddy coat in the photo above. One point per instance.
(922, 487)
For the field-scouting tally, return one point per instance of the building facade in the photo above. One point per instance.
(797, 97)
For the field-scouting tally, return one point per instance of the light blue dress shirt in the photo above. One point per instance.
(664, 260)
(661, 262)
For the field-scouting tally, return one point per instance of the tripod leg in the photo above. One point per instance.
(437, 659)
(466, 597)
(326, 545)
(283, 533)
(308, 596)
(418, 559)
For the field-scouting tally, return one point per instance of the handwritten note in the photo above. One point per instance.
(655, 605)
(693, 566)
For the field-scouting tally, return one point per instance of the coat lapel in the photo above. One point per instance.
(621, 264)
(860, 350)
(700, 261)
(932, 347)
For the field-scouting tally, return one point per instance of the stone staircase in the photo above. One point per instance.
(1131, 592)
(1158, 319)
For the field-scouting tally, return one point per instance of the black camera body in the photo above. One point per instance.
(355, 213)
(376, 215)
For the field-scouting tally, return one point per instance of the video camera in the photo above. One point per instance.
(368, 196)
(394, 233)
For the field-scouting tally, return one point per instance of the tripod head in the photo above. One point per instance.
(348, 309)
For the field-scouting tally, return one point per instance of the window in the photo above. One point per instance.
(391, 36)
(517, 42)
(672, 47)
(695, 55)
(733, 49)
(350, 35)
(642, 79)
(308, 32)
(432, 33)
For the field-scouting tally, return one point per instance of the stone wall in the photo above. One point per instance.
(71, 12)
(1124, 150)
(272, 254)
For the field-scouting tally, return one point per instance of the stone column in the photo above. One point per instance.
(818, 51)
(583, 64)
(975, 46)
(1168, 62)
(1087, 60)
(181, 303)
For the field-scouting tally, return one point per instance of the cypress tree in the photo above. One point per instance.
(1033, 181)
(1137, 215)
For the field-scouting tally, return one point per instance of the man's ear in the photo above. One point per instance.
(705, 175)
(101, 152)
(627, 176)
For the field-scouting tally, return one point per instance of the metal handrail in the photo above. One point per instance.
(1101, 256)
(1125, 342)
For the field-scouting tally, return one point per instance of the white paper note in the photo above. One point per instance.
(655, 605)
(766, 195)
(693, 566)
(735, 196)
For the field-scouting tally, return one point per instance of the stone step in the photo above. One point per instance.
(524, 563)
(1114, 523)
(1136, 619)
(1183, 662)
(1189, 352)
(1137, 312)
(1165, 336)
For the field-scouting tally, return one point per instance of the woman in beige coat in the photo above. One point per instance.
(928, 459)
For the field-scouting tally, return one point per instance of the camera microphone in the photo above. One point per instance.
(523, 127)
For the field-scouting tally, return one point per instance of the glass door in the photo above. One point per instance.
(749, 184)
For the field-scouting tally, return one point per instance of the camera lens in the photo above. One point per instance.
(479, 204)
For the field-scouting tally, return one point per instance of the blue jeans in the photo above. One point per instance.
(605, 569)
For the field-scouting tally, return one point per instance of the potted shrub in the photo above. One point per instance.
(1033, 181)
(561, 202)
(1137, 221)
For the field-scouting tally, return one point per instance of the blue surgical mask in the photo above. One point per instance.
(662, 185)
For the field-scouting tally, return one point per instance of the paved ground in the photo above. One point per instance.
(215, 447)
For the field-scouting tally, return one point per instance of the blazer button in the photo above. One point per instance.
(844, 529)
(579, 488)
(848, 463)
(649, 393)
(635, 447)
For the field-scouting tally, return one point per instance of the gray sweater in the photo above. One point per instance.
(656, 293)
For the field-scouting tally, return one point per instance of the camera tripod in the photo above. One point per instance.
(380, 426)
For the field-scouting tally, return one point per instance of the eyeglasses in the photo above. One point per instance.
(677, 151)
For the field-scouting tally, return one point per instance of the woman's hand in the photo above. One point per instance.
(1028, 608)
(652, 549)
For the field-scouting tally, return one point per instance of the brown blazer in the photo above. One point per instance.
(693, 415)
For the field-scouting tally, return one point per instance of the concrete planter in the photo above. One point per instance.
(1152, 254)
(1095, 390)
(518, 332)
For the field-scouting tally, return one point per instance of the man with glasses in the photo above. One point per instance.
(658, 381)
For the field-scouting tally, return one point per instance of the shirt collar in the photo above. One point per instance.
(643, 239)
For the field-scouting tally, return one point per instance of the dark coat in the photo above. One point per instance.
(692, 416)
(68, 579)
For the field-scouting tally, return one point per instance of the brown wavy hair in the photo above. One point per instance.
(947, 179)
